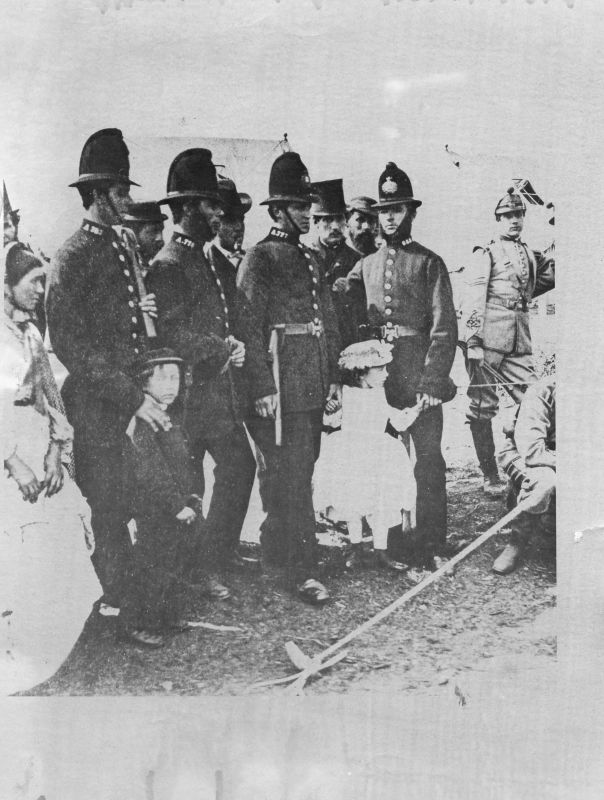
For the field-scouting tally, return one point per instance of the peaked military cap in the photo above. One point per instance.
(232, 201)
(289, 181)
(9, 212)
(104, 158)
(394, 188)
(330, 198)
(511, 201)
(145, 212)
(192, 174)
(150, 359)
(364, 205)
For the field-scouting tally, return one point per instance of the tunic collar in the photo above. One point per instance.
(95, 228)
(279, 235)
(182, 239)
(396, 243)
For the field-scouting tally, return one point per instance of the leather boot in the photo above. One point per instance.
(482, 434)
(508, 559)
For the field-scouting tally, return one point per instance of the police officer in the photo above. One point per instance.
(194, 320)
(226, 248)
(502, 280)
(147, 222)
(410, 304)
(362, 221)
(335, 255)
(96, 327)
(283, 296)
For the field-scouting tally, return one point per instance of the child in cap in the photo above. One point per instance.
(165, 511)
(364, 471)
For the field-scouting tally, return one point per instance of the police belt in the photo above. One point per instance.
(300, 328)
(388, 332)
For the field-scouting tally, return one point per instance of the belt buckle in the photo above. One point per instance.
(316, 328)
(390, 333)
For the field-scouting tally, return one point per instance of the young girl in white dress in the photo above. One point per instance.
(364, 471)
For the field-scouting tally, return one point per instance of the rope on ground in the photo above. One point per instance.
(318, 663)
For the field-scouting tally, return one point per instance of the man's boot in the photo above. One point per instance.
(508, 559)
(482, 434)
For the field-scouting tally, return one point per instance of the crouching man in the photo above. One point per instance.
(529, 460)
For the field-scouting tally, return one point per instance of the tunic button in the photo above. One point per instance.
(134, 319)
(126, 273)
(134, 336)
(314, 280)
(306, 255)
(315, 306)
(222, 297)
(136, 350)
(121, 257)
(387, 299)
(226, 311)
(389, 261)
(388, 273)
(130, 288)
(131, 303)
(388, 312)
(387, 286)
(388, 324)
(115, 245)
(392, 252)
(316, 320)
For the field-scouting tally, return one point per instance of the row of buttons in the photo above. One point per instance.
(131, 303)
(388, 284)
(222, 296)
(315, 281)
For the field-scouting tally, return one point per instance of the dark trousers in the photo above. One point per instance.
(153, 599)
(430, 476)
(233, 482)
(288, 532)
(100, 475)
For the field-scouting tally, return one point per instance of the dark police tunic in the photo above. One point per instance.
(280, 282)
(410, 301)
(96, 329)
(194, 320)
(351, 312)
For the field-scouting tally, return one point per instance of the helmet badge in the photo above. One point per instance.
(389, 186)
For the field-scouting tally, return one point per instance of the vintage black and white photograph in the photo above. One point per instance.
(279, 378)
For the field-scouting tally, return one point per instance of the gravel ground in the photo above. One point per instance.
(464, 625)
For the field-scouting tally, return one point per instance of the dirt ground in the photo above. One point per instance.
(466, 625)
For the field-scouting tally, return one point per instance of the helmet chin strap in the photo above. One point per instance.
(294, 224)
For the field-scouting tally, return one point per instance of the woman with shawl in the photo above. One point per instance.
(47, 583)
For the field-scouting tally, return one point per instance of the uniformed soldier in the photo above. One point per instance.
(362, 221)
(96, 327)
(335, 256)
(195, 321)
(285, 301)
(502, 280)
(529, 460)
(225, 250)
(410, 304)
(147, 222)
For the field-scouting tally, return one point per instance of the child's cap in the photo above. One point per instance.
(363, 355)
(151, 358)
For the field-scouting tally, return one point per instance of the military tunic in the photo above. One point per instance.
(194, 320)
(280, 282)
(96, 330)
(503, 279)
(410, 302)
(351, 312)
